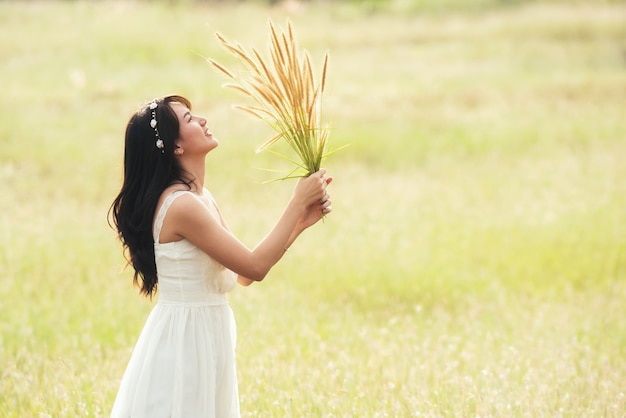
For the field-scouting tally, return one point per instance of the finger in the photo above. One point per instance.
(321, 172)
(326, 181)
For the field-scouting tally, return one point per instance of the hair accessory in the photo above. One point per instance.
(153, 124)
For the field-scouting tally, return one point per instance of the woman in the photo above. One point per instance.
(174, 236)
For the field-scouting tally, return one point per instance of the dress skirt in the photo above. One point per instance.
(183, 365)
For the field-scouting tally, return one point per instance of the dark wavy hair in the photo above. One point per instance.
(148, 171)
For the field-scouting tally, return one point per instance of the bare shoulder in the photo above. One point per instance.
(188, 212)
(187, 203)
(169, 191)
(184, 215)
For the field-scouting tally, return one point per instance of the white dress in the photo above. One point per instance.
(183, 364)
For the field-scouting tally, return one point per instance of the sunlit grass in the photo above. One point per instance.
(475, 260)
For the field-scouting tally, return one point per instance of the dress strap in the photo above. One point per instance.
(158, 222)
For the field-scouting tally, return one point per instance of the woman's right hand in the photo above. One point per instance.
(311, 189)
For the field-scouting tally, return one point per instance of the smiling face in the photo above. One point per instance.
(194, 135)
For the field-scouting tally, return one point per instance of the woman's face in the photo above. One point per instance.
(194, 135)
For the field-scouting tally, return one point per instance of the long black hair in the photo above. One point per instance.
(148, 170)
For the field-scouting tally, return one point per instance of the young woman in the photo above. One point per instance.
(175, 237)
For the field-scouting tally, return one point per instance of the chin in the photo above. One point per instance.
(214, 144)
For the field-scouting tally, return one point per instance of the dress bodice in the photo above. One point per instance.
(186, 274)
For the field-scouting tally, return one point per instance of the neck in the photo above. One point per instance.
(196, 169)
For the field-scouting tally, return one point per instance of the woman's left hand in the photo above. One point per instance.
(316, 211)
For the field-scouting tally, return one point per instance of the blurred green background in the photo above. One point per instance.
(474, 263)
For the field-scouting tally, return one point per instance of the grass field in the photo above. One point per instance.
(475, 260)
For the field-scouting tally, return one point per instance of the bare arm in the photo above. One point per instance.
(311, 215)
(191, 220)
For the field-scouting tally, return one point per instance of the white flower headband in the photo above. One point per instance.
(153, 124)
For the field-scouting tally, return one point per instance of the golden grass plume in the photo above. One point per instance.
(286, 96)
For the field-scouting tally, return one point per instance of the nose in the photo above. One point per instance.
(203, 121)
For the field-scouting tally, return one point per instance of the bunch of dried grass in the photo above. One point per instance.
(286, 97)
